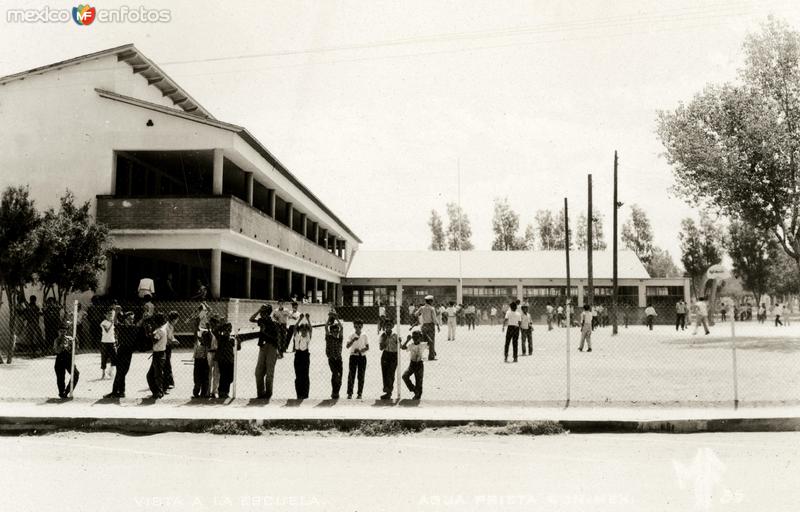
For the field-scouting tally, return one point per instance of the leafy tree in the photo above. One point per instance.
(459, 231)
(505, 225)
(637, 235)
(661, 264)
(753, 252)
(598, 243)
(437, 232)
(783, 276)
(559, 233)
(545, 229)
(528, 242)
(21, 250)
(734, 147)
(701, 247)
(77, 250)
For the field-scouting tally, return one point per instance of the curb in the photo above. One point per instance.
(10, 425)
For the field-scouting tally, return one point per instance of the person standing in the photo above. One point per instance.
(451, 321)
(549, 314)
(680, 315)
(155, 375)
(33, 313)
(125, 330)
(650, 313)
(470, 315)
(526, 330)
(701, 315)
(586, 328)
(202, 340)
(560, 316)
(334, 339)
(411, 316)
(492, 315)
(762, 313)
(62, 346)
(416, 364)
(281, 318)
(511, 324)
(227, 344)
(723, 312)
(268, 343)
(302, 357)
(108, 340)
(358, 343)
(430, 324)
(381, 316)
(291, 324)
(388, 345)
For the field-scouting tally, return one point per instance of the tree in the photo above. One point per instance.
(459, 231)
(753, 252)
(734, 147)
(77, 250)
(598, 244)
(545, 229)
(437, 232)
(528, 242)
(505, 225)
(662, 265)
(783, 277)
(559, 233)
(701, 247)
(21, 250)
(637, 235)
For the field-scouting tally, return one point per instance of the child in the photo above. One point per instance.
(126, 343)
(268, 349)
(225, 355)
(108, 339)
(302, 358)
(211, 357)
(333, 350)
(63, 349)
(416, 365)
(200, 374)
(155, 375)
(586, 328)
(651, 314)
(358, 345)
(511, 326)
(526, 328)
(388, 344)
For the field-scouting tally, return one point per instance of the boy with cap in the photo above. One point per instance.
(358, 344)
(416, 365)
(63, 349)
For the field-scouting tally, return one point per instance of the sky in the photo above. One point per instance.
(378, 106)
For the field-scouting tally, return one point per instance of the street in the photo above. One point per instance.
(428, 472)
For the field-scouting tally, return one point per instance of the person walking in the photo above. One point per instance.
(452, 313)
(586, 328)
(62, 346)
(778, 314)
(650, 314)
(388, 345)
(268, 343)
(430, 325)
(334, 339)
(701, 315)
(302, 357)
(511, 324)
(416, 364)
(358, 343)
(526, 330)
(680, 315)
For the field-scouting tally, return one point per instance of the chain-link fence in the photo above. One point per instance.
(466, 353)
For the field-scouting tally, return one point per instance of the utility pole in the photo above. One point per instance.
(589, 223)
(615, 290)
(566, 243)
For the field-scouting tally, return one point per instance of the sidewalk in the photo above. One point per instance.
(146, 416)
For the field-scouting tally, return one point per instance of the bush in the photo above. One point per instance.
(235, 428)
(532, 428)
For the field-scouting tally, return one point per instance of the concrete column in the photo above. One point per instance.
(216, 272)
(271, 282)
(642, 295)
(338, 294)
(216, 188)
(520, 292)
(687, 291)
(398, 300)
(272, 196)
(304, 285)
(289, 284)
(248, 277)
(325, 239)
(335, 248)
(314, 284)
(290, 214)
(580, 294)
(248, 187)
(316, 233)
(459, 292)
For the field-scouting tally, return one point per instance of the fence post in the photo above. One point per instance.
(235, 349)
(398, 299)
(74, 337)
(735, 368)
(569, 327)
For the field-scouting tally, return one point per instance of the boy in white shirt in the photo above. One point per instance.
(358, 345)
(108, 340)
(416, 364)
(586, 328)
(526, 328)
(451, 321)
(650, 313)
(701, 315)
(511, 326)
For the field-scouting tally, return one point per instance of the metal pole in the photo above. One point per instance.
(589, 241)
(735, 368)
(398, 299)
(74, 336)
(615, 290)
(235, 347)
(567, 303)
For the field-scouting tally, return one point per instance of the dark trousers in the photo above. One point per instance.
(526, 337)
(680, 321)
(225, 378)
(168, 379)
(63, 365)
(108, 355)
(155, 375)
(124, 355)
(388, 369)
(302, 383)
(265, 369)
(650, 322)
(358, 365)
(778, 320)
(512, 336)
(337, 370)
(417, 369)
(200, 375)
(429, 331)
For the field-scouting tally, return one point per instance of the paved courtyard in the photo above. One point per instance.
(636, 367)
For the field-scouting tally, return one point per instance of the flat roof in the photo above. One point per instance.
(490, 265)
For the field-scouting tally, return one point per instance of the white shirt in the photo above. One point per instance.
(549, 309)
(513, 317)
(493, 312)
(107, 331)
(360, 342)
(451, 313)
(779, 309)
(702, 308)
(650, 311)
(301, 342)
(416, 351)
(560, 310)
(146, 287)
(381, 311)
(525, 321)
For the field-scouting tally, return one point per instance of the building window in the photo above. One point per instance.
(657, 291)
(367, 297)
(349, 296)
(386, 296)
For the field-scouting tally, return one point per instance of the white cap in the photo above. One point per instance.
(429, 297)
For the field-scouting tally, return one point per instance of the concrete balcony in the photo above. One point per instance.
(212, 212)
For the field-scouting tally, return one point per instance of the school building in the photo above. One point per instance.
(188, 198)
